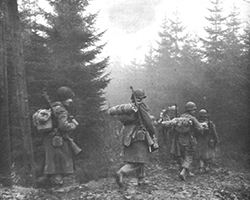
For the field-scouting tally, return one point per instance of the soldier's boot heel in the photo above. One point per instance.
(182, 175)
(190, 174)
(142, 182)
(119, 179)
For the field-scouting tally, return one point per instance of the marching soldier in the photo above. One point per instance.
(138, 136)
(206, 142)
(165, 118)
(167, 128)
(166, 121)
(59, 162)
(186, 126)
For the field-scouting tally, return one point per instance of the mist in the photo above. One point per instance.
(132, 16)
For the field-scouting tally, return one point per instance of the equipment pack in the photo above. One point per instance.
(42, 120)
(182, 124)
(125, 112)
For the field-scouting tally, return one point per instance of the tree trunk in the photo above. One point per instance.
(21, 92)
(5, 150)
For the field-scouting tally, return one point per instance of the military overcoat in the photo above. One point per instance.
(135, 144)
(59, 159)
(206, 142)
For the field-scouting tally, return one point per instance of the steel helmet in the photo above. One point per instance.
(203, 113)
(63, 93)
(190, 106)
(139, 94)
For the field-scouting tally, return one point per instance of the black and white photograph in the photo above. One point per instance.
(124, 100)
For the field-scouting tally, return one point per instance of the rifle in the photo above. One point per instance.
(208, 117)
(148, 137)
(176, 110)
(73, 145)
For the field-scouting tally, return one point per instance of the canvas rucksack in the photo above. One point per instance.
(42, 120)
(124, 112)
(182, 124)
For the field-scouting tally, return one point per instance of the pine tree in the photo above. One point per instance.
(233, 46)
(72, 41)
(175, 74)
(65, 50)
(214, 52)
(245, 58)
(246, 48)
(225, 80)
(39, 70)
(74, 50)
(214, 43)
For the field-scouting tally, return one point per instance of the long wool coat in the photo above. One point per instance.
(206, 142)
(59, 159)
(135, 144)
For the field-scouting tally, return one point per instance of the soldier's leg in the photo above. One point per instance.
(185, 166)
(188, 159)
(201, 165)
(140, 171)
(184, 161)
(141, 174)
(208, 163)
(127, 168)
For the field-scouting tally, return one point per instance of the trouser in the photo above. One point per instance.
(188, 154)
(130, 167)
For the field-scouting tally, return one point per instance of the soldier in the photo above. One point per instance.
(169, 114)
(168, 128)
(165, 118)
(206, 142)
(58, 153)
(138, 136)
(186, 142)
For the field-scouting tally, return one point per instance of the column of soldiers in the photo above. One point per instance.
(198, 143)
(191, 138)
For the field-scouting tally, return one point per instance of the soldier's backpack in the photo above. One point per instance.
(182, 124)
(42, 120)
(125, 112)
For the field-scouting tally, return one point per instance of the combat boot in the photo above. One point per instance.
(207, 169)
(190, 174)
(183, 174)
(142, 182)
(119, 179)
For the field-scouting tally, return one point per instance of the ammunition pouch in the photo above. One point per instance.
(141, 134)
(57, 141)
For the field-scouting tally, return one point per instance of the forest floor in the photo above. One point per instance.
(163, 183)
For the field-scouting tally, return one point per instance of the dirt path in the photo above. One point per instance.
(162, 184)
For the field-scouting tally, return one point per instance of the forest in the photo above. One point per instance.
(66, 50)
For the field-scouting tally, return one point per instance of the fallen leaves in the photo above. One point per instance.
(161, 184)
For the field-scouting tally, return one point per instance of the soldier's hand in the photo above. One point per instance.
(156, 145)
